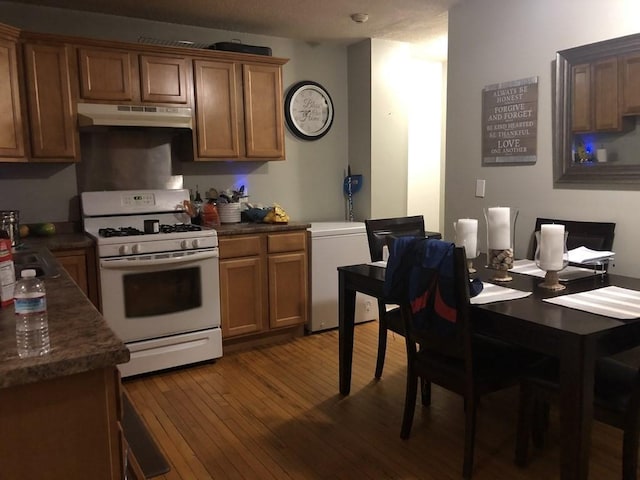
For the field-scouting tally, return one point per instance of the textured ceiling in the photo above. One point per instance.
(315, 21)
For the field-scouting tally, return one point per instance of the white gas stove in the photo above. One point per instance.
(158, 277)
(134, 222)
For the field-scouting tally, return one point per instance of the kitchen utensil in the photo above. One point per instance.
(9, 222)
(352, 184)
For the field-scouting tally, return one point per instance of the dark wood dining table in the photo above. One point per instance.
(576, 338)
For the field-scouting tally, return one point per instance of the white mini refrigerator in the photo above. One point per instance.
(335, 244)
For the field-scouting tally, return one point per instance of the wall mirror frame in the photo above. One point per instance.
(566, 171)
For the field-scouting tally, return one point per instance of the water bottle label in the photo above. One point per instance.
(30, 304)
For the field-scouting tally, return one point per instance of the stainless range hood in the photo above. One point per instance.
(94, 114)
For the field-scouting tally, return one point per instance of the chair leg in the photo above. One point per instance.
(469, 437)
(525, 418)
(540, 422)
(409, 403)
(382, 341)
(630, 446)
(425, 390)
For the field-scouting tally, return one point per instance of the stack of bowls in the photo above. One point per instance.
(229, 212)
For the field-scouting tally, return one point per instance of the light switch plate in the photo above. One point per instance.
(480, 188)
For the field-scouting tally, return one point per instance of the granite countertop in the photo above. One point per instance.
(60, 241)
(80, 337)
(247, 227)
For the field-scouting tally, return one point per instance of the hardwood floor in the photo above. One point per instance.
(275, 413)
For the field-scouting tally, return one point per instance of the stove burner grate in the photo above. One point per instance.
(179, 227)
(131, 231)
(119, 232)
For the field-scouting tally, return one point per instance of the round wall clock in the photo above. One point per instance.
(308, 110)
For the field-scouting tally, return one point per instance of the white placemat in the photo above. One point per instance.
(615, 302)
(495, 293)
(528, 267)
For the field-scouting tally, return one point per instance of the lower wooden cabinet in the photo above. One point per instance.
(66, 427)
(80, 264)
(264, 285)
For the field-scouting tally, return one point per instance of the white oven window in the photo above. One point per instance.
(157, 293)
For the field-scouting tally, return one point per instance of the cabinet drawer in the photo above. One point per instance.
(239, 246)
(286, 242)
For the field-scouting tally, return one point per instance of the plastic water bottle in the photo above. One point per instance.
(32, 326)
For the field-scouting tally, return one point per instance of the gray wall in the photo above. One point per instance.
(494, 41)
(308, 184)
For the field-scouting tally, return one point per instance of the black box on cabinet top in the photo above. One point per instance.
(240, 48)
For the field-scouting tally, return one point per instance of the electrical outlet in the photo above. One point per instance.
(480, 188)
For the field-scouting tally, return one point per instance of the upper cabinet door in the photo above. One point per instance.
(581, 101)
(596, 99)
(606, 101)
(216, 109)
(163, 79)
(11, 138)
(54, 134)
(630, 71)
(106, 74)
(263, 111)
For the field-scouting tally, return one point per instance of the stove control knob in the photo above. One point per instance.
(184, 244)
(124, 249)
(137, 248)
(196, 243)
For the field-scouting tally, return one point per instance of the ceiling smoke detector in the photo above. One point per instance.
(359, 17)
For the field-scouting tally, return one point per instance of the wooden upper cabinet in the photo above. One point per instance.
(238, 110)
(53, 132)
(630, 72)
(113, 75)
(11, 133)
(216, 102)
(581, 102)
(163, 79)
(606, 101)
(596, 99)
(106, 74)
(264, 130)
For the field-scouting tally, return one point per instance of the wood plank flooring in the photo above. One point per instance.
(275, 413)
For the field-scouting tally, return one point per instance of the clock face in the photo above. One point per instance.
(308, 110)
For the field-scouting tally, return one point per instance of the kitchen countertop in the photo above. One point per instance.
(60, 241)
(243, 228)
(80, 337)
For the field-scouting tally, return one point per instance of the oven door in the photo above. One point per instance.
(151, 296)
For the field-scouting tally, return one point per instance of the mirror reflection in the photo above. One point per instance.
(597, 113)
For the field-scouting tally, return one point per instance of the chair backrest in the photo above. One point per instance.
(378, 230)
(593, 235)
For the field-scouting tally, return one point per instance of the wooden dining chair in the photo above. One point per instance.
(616, 403)
(440, 343)
(378, 232)
(593, 235)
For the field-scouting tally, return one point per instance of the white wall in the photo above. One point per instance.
(494, 41)
(395, 130)
(308, 184)
(424, 175)
(390, 81)
(359, 79)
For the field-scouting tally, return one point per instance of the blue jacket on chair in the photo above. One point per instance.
(420, 272)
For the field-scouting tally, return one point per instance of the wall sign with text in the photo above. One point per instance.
(510, 122)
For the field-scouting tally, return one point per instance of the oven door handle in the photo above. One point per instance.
(153, 262)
